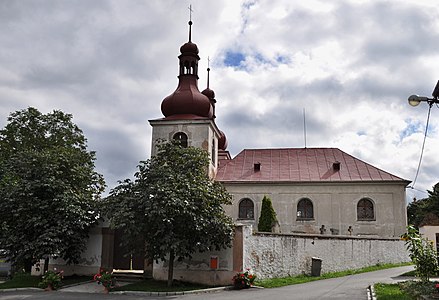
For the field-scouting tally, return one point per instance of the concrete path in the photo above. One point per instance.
(89, 287)
(349, 288)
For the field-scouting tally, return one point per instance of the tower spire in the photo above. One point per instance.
(190, 23)
(208, 71)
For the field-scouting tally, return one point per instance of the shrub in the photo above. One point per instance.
(51, 280)
(106, 279)
(268, 216)
(422, 254)
(243, 280)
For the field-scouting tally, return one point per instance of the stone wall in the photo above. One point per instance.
(280, 255)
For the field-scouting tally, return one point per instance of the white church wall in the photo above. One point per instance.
(201, 134)
(90, 261)
(281, 255)
(335, 207)
(199, 268)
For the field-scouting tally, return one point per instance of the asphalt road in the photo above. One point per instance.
(350, 287)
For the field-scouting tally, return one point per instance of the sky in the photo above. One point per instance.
(344, 68)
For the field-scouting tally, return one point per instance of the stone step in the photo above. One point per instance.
(129, 276)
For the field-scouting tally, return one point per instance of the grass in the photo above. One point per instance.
(151, 285)
(278, 282)
(411, 273)
(390, 292)
(26, 280)
(21, 281)
(68, 280)
(416, 289)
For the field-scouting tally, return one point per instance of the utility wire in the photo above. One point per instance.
(422, 149)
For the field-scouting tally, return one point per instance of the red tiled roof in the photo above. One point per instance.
(299, 165)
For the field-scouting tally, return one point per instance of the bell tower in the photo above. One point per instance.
(189, 115)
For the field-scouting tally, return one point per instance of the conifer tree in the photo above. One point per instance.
(268, 216)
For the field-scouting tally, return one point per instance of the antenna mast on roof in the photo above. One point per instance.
(304, 126)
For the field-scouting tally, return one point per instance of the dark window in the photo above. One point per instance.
(182, 138)
(246, 209)
(365, 210)
(305, 209)
(213, 151)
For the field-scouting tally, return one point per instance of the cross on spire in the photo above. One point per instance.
(208, 71)
(190, 12)
(190, 22)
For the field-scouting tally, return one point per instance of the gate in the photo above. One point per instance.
(122, 259)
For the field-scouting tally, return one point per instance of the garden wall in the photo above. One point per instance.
(280, 255)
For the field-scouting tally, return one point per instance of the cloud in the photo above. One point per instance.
(349, 64)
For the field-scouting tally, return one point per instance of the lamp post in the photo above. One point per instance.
(414, 100)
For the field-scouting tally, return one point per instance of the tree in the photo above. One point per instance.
(268, 216)
(48, 187)
(418, 210)
(422, 254)
(172, 209)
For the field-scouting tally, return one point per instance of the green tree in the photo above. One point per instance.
(48, 187)
(268, 216)
(417, 210)
(172, 209)
(422, 254)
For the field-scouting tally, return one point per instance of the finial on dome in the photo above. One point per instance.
(190, 22)
(208, 71)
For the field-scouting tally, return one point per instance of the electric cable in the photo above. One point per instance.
(422, 149)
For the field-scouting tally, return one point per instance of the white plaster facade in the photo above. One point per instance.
(90, 261)
(202, 133)
(429, 232)
(334, 204)
(199, 268)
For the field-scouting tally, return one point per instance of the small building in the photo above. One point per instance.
(429, 229)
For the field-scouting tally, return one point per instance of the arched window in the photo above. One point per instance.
(305, 209)
(182, 138)
(246, 209)
(365, 211)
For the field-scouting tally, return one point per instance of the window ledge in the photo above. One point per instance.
(305, 219)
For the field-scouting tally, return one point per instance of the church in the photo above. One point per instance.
(328, 203)
(313, 190)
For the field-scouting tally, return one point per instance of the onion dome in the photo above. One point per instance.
(189, 48)
(208, 93)
(222, 141)
(187, 102)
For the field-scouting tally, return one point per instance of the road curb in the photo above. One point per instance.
(203, 291)
(371, 293)
(21, 289)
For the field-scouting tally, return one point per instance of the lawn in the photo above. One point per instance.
(278, 282)
(407, 290)
(26, 280)
(21, 281)
(390, 292)
(151, 285)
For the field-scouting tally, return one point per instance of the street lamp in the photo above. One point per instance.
(414, 100)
